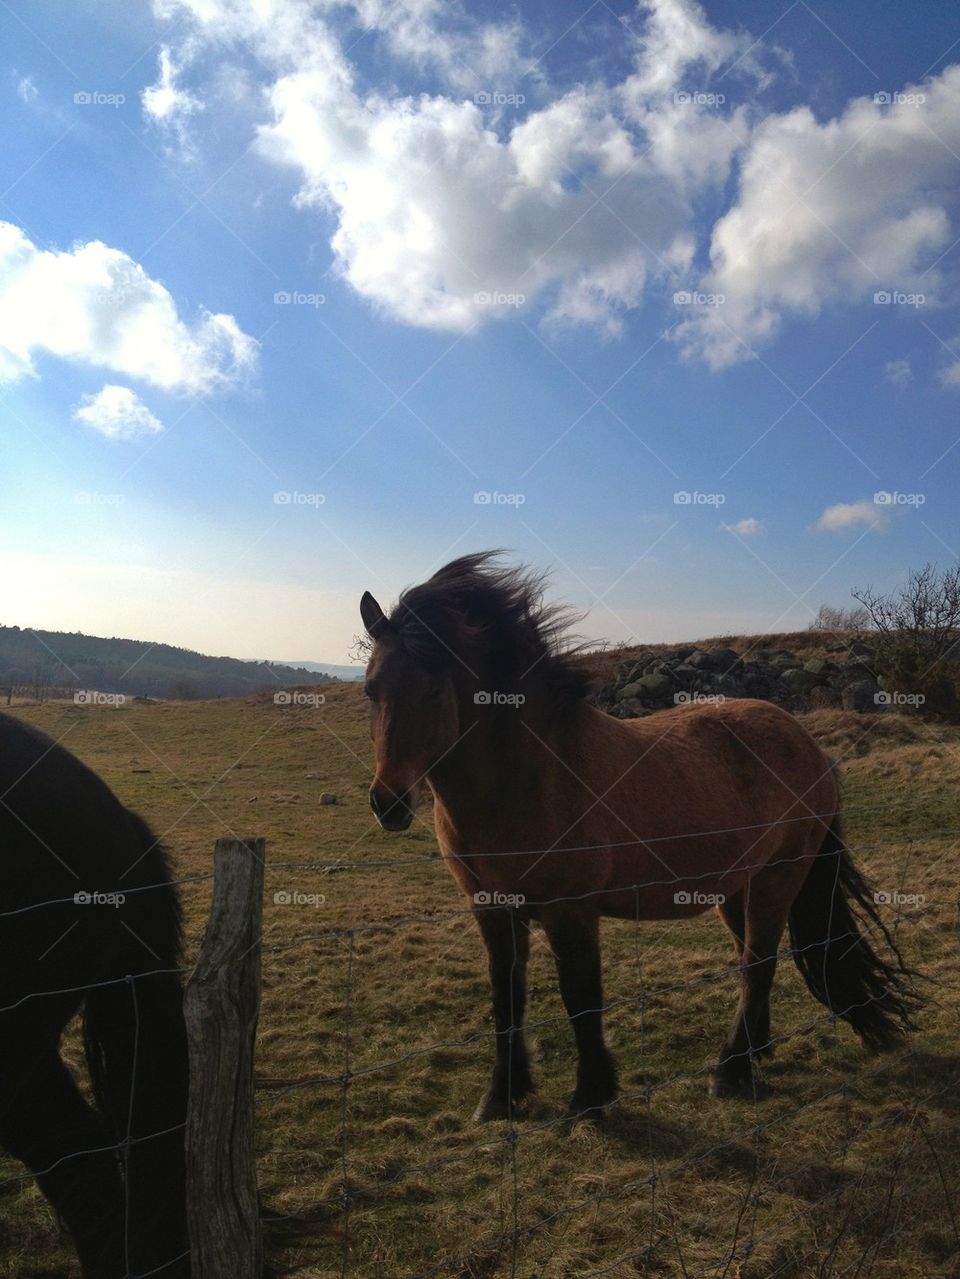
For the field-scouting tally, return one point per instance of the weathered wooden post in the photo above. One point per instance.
(221, 1005)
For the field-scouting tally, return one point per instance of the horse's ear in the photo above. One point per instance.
(372, 615)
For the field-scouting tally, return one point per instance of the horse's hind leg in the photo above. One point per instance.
(757, 921)
(507, 940)
(574, 937)
(70, 1149)
(731, 911)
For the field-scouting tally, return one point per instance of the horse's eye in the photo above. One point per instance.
(368, 692)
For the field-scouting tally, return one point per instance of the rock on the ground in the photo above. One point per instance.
(860, 695)
(654, 681)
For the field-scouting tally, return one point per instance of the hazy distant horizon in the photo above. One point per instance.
(328, 668)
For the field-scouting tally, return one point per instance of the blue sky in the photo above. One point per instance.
(578, 257)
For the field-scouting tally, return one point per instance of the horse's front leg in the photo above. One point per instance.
(574, 935)
(507, 940)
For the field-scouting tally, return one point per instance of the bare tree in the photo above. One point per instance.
(40, 677)
(924, 613)
(361, 648)
(831, 618)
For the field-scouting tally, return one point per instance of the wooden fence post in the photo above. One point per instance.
(221, 1005)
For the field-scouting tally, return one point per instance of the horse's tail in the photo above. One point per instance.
(830, 920)
(136, 1050)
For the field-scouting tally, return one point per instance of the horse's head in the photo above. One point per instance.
(414, 718)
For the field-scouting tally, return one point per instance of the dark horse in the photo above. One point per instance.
(547, 809)
(89, 918)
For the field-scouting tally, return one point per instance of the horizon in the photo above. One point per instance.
(662, 296)
(814, 633)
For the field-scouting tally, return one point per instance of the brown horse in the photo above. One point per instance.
(547, 809)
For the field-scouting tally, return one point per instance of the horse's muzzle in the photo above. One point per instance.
(393, 812)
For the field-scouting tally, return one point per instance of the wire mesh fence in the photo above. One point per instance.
(724, 1239)
(734, 1233)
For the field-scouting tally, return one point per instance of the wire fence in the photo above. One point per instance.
(731, 1234)
(506, 1242)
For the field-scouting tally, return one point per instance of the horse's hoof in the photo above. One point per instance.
(581, 1111)
(730, 1085)
(493, 1106)
(593, 1115)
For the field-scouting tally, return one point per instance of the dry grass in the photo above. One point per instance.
(846, 1165)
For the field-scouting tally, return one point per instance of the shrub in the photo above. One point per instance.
(918, 650)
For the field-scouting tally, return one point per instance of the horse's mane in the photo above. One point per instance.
(492, 617)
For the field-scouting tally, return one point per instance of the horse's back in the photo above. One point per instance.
(727, 734)
(58, 818)
(711, 792)
(72, 859)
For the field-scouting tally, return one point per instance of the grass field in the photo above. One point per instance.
(844, 1165)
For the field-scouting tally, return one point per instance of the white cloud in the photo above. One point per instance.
(898, 372)
(748, 527)
(678, 37)
(581, 203)
(434, 35)
(118, 413)
(166, 103)
(27, 91)
(847, 515)
(585, 200)
(832, 212)
(95, 304)
(679, 53)
(950, 373)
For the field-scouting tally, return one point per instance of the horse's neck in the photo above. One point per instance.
(501, 776)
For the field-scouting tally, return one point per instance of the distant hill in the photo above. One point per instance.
(331, 668)
(40, 662)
